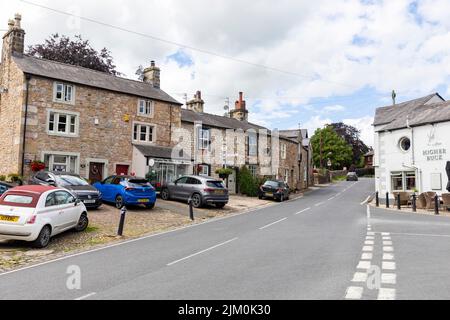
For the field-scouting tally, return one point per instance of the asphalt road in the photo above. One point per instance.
(320, 246)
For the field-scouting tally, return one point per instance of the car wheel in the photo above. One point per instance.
(119, 202)
(165, 194)
(150, 206)
(220, 205)
(43, 239)
(82, 223)
(196, 200)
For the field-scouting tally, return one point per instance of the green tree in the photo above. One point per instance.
(331, 146)
(248, 185)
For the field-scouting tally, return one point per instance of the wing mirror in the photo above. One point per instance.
(51, 182)
(77, 202)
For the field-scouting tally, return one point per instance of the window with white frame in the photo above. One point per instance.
(64, 92)
(143, 133)
(145, 108)
(253, 170)
(62, 123)
(283, 151)
(403, 181)
(61, 163)
(252, 144)
(204, 138)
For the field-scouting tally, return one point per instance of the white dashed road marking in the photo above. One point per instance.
(86, 296)
(271, 224)
(354, 293)
(388, 265)
(388, 278)
(388, 256)
(367, 256)
(360, 277)
(363, 265)
(200, 252)
(386, 294)
(307, 209)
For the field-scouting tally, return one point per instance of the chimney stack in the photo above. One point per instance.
(152, 75)
(14, 38)
(240, 111)
(196, 104)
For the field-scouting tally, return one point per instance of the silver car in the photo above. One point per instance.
(201, 190)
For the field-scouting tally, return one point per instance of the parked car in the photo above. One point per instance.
(127, 190)
(201, 190)
(4, 186)
(352, 176)
(37, 213)
(90, 196)
(277, 190)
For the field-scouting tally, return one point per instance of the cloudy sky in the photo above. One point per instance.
(326, 60)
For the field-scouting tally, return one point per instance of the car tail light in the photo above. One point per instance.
(208, 190)
(32, 219)
(129, 188)
(280, 190)
(157, 184)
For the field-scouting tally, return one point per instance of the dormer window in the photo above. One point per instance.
(64, 93)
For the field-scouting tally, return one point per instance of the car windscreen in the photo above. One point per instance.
(19, 200)
(68, 181)
(138, 183)
(215, 184)
(272, 184)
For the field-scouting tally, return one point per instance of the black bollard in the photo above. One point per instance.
(387, 199)
(414, 203)
(399, 207)
(436, 205)
(123, 212)
(377, 199)
(191, 209)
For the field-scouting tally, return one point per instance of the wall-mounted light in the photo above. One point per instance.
(3, 90)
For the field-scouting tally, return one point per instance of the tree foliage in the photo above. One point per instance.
(248, 185)
(77, 52)
(352, 136)
(334, 148)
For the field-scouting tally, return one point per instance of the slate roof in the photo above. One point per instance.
(159, 152)
(88, 77)
(294, 133)
(387, 115)
(415, 113)
(222, 122)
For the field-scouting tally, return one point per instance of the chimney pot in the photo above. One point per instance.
(17, 19)
(199, 95)
(10, 24)
(152, 63)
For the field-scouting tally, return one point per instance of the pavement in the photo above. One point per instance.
(326, 245)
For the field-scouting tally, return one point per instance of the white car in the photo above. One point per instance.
(37, 213)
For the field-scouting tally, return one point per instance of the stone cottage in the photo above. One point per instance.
(75, 119)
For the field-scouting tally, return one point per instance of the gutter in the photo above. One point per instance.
(27, 82)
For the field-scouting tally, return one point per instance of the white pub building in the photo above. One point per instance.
(412, 146)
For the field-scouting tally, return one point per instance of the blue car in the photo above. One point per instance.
(126, 191)
(4, 186)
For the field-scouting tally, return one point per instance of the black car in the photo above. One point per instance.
(90, 196)
(4, 186)
(277, 190)
(352, 176)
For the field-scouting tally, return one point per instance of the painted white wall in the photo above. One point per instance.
(389, 157)
(139, 165)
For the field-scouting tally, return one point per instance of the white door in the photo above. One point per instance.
(232, 183)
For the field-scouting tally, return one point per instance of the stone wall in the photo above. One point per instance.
(11, 114)
(110, 139)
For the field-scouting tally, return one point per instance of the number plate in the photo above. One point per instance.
(269, 194)
(9, 218)
(143, 200)
(220, 192)
(88, 201)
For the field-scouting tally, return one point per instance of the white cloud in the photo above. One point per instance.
(314, 40)
(363, 124)
(335, 108)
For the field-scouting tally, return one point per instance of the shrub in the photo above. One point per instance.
(248, 185)
(365, 172)
(15, 178)
(224, 172)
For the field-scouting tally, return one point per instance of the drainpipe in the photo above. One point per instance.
(27, 83)
(413, 158)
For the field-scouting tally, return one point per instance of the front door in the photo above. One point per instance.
(122, 169)
(96, 171)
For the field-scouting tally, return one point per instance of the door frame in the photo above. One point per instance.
(105, 166)
(130, 169)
